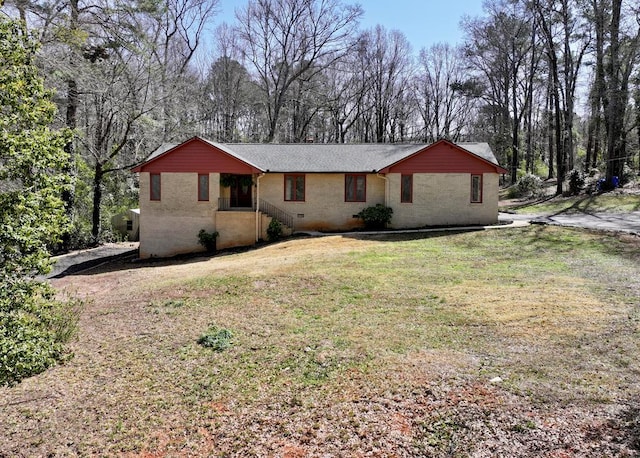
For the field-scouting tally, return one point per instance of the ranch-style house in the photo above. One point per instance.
(236, 189)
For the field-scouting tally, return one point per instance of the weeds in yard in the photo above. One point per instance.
(218, 339)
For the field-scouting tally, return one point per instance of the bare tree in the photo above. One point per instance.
(171, 33)
(389, 57)
(226, 89)
(636, 100)
(598, 15)
(115, 100)
(622, 56)
(502, 49)
(306, 99)
(225, 98)
(122, 71)
(285, 40)
(348, 81)
(137, 93)
(445, 94)
(565, 46)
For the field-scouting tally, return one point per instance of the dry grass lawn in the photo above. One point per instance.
(517, 342)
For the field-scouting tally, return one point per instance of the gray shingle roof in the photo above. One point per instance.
(327, 158)
(480, 149)
(161, 150)
(317, 157)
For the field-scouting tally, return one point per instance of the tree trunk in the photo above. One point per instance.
(597, 141)
(533, 64)
(559, 144)
(590, 140)
(68, 194)
(97, 201)
(550, 127)
(637, 104)
(515, 130)
(569, 84)
(598, 92)
(273, 115)
(529, 139)
(615, 110)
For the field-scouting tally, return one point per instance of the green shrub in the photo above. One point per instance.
(529, 186)
(218, 339)
(208, 239)
(274, 231)
(32, 337)
(512, 192)
(376, 217)
(33, 177)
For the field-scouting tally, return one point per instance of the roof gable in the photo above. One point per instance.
(446, 157)
(195, 155)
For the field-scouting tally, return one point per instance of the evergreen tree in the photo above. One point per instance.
(33, 325)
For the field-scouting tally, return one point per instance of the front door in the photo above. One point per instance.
(241, 191)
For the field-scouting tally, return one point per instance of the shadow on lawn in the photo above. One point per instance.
(130, 261)
(583, 205)
(529, 203)
(587, 204)
(391, 236)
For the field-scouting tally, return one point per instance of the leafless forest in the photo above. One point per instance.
(553, 85)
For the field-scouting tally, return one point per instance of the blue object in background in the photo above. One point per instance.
(615, 181)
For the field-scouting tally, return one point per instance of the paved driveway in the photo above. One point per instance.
(622, 222)
(77, 261)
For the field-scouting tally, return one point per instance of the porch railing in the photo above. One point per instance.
(277, 213)
(224, 204)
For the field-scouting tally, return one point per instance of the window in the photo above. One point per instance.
(155, 186)
(129, 225)
(203, 187)
(294, 188)
(406, 189)
(476, 188)
(355, 188)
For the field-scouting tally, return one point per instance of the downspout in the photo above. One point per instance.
(258, 207)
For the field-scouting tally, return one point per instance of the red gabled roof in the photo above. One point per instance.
(443, 157)
(201, 157)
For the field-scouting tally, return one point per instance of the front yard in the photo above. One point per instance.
(512, 342)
